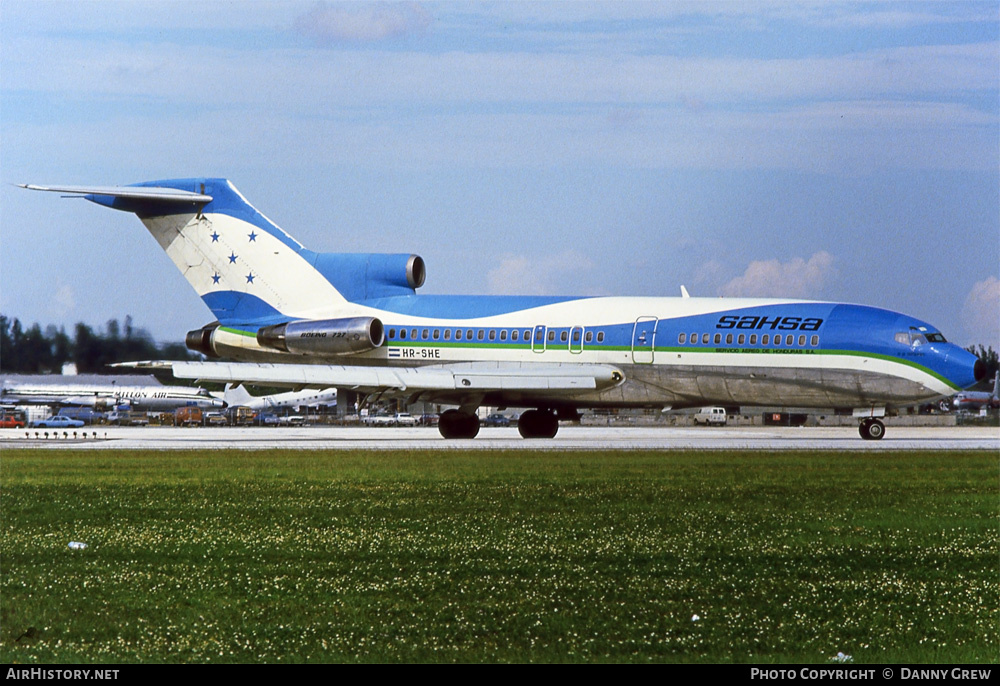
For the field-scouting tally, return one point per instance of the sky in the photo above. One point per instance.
(844, 151)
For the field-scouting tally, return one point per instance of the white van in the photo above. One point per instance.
(711, 415)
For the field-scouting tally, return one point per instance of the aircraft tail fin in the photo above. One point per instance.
(245, 268)
(236, 395)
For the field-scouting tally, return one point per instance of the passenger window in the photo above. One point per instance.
(437, 334)
(576, 336)
(479, 335)
(765, 339)
(424, 334)
(402, 334)
(682, 338)
(468, 335)
(563, 337)
(413, 334)
(729, 339)
(513, 335)
(753, 339)
(742, 339)
(447, 334)
(789, 340)
(392, 333)
(718, 338)
(552, 336)
(814, 341)
(802, 340)
(600, 336)
(493, 334)
(458, 334)
(589, 337)
(503, 335)
(705, 338)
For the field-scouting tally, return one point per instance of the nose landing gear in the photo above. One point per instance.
(871, 429)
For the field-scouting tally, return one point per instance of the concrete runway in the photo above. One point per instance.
(569, 438)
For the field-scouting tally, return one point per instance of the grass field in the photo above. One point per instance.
(306, 557)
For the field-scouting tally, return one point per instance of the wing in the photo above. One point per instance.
(441, 383)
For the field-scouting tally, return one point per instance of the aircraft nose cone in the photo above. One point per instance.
(965, 369)
(979, 370)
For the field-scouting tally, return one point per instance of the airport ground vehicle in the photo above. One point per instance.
(496, 419)
(11, 419)
(377, 419)
(189, 416)
(241, 415)
(711, 416)
(404, 419)
(127, 418)
(57, 422)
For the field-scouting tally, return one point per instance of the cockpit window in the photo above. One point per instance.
(915, 338)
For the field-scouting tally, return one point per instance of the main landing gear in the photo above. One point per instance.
(871, 429)
(538, 424)
(532, 424)
(458, 424)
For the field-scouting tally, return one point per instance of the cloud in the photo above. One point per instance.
(517, 274)
(797, 278)
(981, 312)
(361, 23)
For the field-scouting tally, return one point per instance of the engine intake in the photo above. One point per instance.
(324, 336)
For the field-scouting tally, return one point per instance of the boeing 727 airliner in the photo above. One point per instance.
(303, 319)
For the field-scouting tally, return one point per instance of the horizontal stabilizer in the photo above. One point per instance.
(130, 192)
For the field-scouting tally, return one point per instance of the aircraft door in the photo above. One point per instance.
(538, 339)
(576, 340)
(643, 340)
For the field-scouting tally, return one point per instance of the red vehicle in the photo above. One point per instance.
(11, 419)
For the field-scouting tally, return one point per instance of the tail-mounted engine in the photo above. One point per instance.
(202, 340)
(324, 336)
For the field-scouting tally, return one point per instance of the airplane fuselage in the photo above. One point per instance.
(143, 398)
(676, 352)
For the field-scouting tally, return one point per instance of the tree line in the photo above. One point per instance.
(37, 351)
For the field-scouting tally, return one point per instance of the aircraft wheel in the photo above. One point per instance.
(538, 424)
(871, 429)
(455, 424)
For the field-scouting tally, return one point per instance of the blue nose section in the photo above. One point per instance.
(963, 368)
